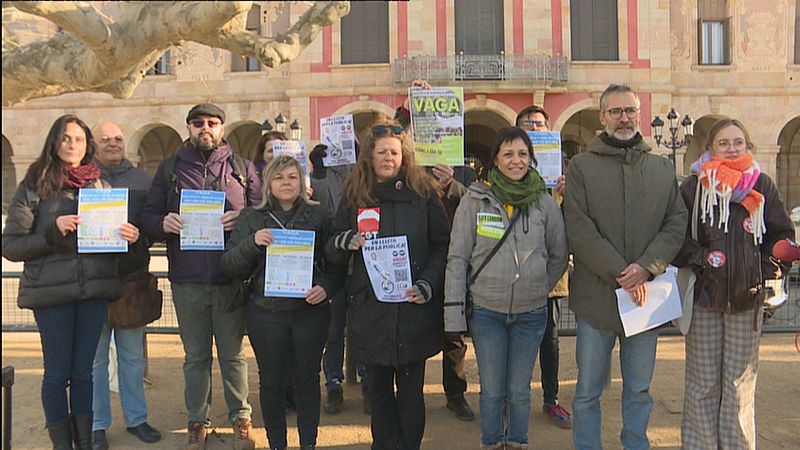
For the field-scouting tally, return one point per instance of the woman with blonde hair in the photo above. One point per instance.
(287, 333)
(736, 216)
(393, 338)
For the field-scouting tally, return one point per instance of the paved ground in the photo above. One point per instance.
(778, 397)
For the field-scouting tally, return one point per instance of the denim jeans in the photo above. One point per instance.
(333, 358)
(505, 347)
(637, 356)
(202, 321)
(130, 374)
(280, 339)
(397, 421)
(69, 336)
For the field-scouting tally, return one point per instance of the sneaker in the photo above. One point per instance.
(99, 441)
(560, 416)
(196, 436)
(460, 408)
(335, 401)
(145, 433)
(241, 434)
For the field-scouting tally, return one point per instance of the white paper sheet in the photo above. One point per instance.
(388, 267)
(201, 212)
(289, 266)
(662, 305)
(102, 212)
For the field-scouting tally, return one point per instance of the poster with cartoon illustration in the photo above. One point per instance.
(338, 133)
(388, 267)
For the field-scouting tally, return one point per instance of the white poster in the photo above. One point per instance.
(388, 267)
(201, 212)
(102, 212)
(338, 133)
(289, 267)
(663, 303)
(547, 150)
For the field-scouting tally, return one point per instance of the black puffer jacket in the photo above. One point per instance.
(735, 280)
(54, 272)
(243, 258)
(392, 334)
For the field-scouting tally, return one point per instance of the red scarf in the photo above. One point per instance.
(78, 177)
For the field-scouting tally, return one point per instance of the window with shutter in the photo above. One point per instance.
(594, 33)
(365, 33)
(241, 63)
(479, 27)
(713, 32)
(161, 67)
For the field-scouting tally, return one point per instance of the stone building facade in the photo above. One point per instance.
(706, 58)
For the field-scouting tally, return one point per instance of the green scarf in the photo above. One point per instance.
(520, 193)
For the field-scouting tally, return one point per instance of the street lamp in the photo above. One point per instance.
(295, 130)
(280, 122)
(673, 143)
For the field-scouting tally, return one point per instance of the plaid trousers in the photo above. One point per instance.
(721, 373)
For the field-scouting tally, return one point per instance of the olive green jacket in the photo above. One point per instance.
(621, 206)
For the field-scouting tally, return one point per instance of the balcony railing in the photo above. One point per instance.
(554, 69)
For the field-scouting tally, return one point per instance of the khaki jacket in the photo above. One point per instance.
(621, 206)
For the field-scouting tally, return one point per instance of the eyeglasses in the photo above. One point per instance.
(738, 144)
(531, 124)
(109, 139)
(380, 130)
(631, 111)
(200, 123)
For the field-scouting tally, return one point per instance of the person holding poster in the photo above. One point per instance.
(287, 332)
(739, 216)
(387, 189)
(509, 231)
(535, 119)
(205, 162)
(67, 291)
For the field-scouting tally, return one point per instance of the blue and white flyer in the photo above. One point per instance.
(102, 212)
(201, 212)
(289, 266)
(547, 150)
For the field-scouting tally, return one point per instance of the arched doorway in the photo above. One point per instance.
(698, 145)
(480, 128)
(9, 175)
(579, 131)
(157, 142)
(243, 137)
(788, 163)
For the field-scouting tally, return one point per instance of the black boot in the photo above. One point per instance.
(82, 431)
(61, 434)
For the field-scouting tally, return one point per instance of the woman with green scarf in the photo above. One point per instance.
(515, 272)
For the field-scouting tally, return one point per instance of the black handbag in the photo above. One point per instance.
(468, 307)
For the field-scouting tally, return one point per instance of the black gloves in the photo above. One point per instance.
(422, 290)
(316, 155)
(453, 336)
(346, 240)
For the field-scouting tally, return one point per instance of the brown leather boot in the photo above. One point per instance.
(242, 429)
(196, 436)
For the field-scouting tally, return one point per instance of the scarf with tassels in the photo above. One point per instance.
(724, 181)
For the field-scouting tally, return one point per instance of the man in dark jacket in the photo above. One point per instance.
(625, 222)
(200, 289)
(120, 173)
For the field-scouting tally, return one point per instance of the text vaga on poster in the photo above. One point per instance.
(437, 122)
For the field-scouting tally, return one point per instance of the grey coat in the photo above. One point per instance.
(521, 273)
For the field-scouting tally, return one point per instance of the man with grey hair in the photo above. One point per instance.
(120, 173)
(625, 222)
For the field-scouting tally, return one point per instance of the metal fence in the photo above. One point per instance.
(554, 69)
(786, 318)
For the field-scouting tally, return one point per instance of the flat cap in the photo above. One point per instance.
(206, 109)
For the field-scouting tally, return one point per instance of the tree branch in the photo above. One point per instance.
(78, 18)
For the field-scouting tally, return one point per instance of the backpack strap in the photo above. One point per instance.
(170, 179)
(239, 171)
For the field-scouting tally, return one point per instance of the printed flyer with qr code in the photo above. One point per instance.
(388, 267)
(338, 133)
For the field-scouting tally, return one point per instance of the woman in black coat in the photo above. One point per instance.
(393, 338)
(287, 331)
(67, 291)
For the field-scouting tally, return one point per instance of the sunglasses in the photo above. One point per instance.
(380, 130)
(200, 123)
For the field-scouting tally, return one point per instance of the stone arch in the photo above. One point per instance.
(579, 129)
(243, 137)
(9, 174)
(153, 143)
(788, 163)
(697, 146)
(586, 104)
(364, 113)
(482, 121)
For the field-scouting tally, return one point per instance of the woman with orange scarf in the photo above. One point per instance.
(737, 215)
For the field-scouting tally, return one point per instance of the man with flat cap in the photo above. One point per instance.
(199, 287)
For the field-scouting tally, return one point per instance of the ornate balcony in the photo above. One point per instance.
(554, 69)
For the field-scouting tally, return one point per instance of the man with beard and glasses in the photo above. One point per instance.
(199, 286)
(625, 222)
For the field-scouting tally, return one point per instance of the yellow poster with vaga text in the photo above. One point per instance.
(437, 122)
